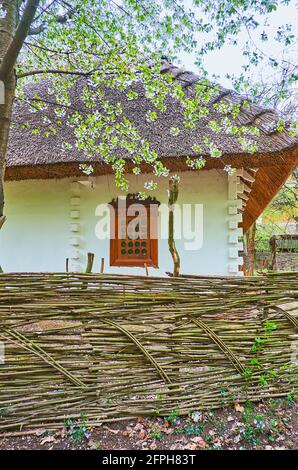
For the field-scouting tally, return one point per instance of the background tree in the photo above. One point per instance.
(280, 94)
(13, 31)
(120, 44)
(281, 216)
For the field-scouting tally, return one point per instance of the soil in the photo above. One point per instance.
(269, 425)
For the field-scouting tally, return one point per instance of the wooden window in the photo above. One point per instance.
(134, 232)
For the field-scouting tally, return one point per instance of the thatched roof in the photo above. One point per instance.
(35, 156)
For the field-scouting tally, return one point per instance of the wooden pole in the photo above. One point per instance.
(90, 262)
(173, 196)
(102, 265)
(146, 269)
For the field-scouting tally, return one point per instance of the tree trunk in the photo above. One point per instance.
(173, 196)
(7, 30)
(5, 120)
(250, 250)
(273, 264)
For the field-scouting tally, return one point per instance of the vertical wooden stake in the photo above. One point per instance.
(67, 264)
(146, 269)
(89, 267)
(90, 262)
(102, 265)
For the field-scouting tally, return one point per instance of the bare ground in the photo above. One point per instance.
(267, 425)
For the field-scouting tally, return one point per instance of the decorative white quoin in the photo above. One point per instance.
(75, 227)
(234, 218)
(239, 189)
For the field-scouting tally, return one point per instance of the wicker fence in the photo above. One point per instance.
(113, 347)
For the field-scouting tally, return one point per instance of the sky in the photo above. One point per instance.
(229, 59)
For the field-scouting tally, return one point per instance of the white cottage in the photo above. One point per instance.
(56, 214)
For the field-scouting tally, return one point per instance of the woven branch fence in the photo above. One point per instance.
(111, 347)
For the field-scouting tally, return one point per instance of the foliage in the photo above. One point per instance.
(258, 344)
(260, 424)
(117, 45)
(155, 433)
(290, 400)
(194, 429)
(270, 326)
(173, 417)
(263, 234)
(276, 218)
(77, 430)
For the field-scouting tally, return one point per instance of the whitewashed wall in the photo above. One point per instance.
(51, 220)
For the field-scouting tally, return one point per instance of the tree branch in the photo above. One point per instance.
(17, 42)
(56, 71)
(40, 28)
(62, 18)
(66, 72)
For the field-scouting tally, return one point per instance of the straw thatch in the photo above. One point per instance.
(25, 149)
(37, 156)
(115, 347)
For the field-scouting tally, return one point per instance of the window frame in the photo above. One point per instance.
(152, 227)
